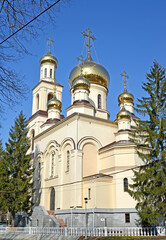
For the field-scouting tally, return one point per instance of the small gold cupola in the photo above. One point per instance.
(54, 107)
(126, 98)
(48, 65)
(123, 114)
(81, 82)
(54, 103)
(124, 119)
(80, 86)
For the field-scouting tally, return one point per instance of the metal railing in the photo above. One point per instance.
(76, 231)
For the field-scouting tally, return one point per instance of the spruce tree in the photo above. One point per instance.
(3, 179)
(19, 187)
(149, 182)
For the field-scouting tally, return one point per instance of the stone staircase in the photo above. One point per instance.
(60, 221)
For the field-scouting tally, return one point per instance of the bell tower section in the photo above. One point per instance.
(44, 91)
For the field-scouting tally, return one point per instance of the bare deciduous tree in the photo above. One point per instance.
(14, 14)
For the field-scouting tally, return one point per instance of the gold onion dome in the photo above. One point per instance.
(123, 114)
(54, 103)
(48, 58)
(81, 83)
(126, 97)
(92, 71)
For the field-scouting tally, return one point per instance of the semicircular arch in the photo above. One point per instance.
(51, 145)
(88, 139)
(67, 141)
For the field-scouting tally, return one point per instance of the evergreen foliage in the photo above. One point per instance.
(17, 170)
(149, 182)
(3, 179)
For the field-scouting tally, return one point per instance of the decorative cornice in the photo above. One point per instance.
(52, 83)
(38, 113)
(119, 143)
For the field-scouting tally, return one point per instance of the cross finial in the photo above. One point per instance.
(55, 89)
(49, 44)
(124, 79)
(89, 37)
(80, 59)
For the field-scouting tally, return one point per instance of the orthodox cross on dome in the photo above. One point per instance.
(124, 80)
(80, 59)
(89, 37)
(50, 41)
(55, 89)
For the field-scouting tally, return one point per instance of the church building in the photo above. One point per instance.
(82, 161)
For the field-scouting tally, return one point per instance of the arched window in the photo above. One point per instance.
(37, 101)
(32, 138)
(45, 72)
(50, 73)
(125, 184)
(99, 101)
(67, 161)
(52, 199)
(52, 163)
(50, 96)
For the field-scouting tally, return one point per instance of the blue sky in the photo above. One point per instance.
(130, 35)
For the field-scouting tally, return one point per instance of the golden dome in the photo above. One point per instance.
(92, 71)
(81, 83)
(123, 114)
(54, 103)
(126, 97)
(49, 58)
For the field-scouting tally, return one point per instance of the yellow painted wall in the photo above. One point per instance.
(90, 163)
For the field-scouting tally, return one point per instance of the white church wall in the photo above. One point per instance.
(123, 199)
(80, 109)
(95, 90)
(90, 160)
(101, 114)
(45, 74)
(107, 161)
(76, 128)
(99, 192)
(43, 89)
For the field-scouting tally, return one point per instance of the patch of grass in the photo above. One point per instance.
(124, 238)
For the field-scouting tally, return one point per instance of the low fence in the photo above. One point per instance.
(106, 231)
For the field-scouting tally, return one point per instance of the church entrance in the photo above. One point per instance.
(52, 199)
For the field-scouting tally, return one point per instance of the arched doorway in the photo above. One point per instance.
(52, 199)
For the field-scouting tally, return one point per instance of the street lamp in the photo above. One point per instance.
(71, 217)
(86, 222)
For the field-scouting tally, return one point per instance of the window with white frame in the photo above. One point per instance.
(45, 72)
(99, 101)
(50, 73)
(125, 184)
(52, 163)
